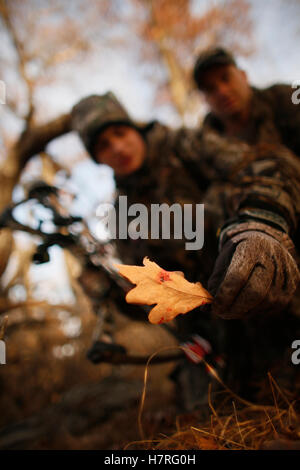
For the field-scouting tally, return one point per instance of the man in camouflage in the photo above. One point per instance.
(241, 110)
(253, 199)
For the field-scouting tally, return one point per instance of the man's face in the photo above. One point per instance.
(121, 147)
(226, 90)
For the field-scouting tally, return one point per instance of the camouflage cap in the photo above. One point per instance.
(93, 114)
(209, 58)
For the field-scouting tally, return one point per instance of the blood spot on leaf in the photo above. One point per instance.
(177, 296)
(163, 276)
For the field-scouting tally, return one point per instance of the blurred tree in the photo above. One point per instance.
(174, 33)
(38, 38)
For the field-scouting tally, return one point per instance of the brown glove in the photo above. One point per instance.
(255, 271)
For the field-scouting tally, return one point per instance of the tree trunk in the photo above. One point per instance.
(31, 142)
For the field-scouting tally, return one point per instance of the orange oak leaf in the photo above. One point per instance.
(169, 290)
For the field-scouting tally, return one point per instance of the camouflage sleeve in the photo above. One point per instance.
(262, 178)
(267, 183)
(174, 154)
(260, 182)
(206, 156)
(286, 104)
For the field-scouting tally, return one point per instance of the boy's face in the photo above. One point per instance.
(121, 147)
(226, 90)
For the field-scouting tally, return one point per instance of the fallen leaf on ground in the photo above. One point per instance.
(169, 290)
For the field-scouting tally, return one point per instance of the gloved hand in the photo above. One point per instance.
(255, 271)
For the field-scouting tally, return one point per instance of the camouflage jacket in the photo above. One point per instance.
(163, 179)
(228, 176)
(274, 118)
(236, 175)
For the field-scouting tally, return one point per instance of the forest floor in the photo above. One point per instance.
(65, 402)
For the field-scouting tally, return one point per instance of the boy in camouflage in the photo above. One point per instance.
(252, 200)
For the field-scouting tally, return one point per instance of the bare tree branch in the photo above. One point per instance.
(22, 59)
